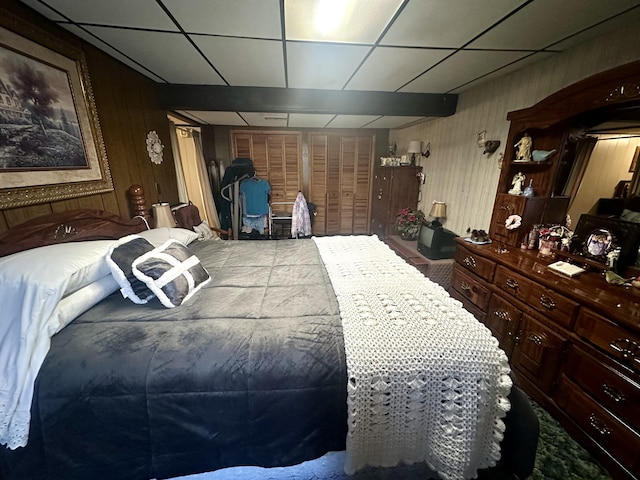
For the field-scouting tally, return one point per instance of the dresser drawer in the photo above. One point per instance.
(613, 339)
(470, 307)
(481, 266)
(538, 352)
(618, 393)
(512, 283)
(553, 305)
(613, 435)
(470, 288)
(503, 319)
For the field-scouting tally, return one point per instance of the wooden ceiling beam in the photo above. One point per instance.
(292, 100)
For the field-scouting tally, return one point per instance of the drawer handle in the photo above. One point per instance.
(502, 315)
(599, 425)
(505, 207)
(512, 283)
(625, 347)
(547, 302)
(465, 287)
(613, 393)
(537, 339)
(469, 262)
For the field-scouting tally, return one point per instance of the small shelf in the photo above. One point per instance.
(530, 162)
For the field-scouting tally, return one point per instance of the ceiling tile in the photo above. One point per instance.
(451, 24)
(534, 27)
(260, 63)
(152, 49)
(110, 51)
(354, 21)
(302, 120)
(238, 18)
(352, 121)
(323, 66)
(265, 119)
(214, 118)
(123, 13)
(536, 57)
(461, 68)
(617, 23)
(389, 68)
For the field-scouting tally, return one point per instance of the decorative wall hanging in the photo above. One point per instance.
(489, 146)
(154, 147)
(52, 146)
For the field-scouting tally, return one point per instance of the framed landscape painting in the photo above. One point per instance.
(51, 146)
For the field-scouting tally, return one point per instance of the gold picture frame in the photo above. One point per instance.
(51, 145)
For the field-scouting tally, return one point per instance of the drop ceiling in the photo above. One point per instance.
(405, 49)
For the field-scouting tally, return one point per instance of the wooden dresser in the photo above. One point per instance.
(393, 189)
(574, 343)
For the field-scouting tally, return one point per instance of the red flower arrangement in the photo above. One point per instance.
(408, 222)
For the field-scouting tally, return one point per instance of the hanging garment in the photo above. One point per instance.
(256, 196)
(300, 220)
(239, 168)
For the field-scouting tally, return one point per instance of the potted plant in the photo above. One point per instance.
(408, 223)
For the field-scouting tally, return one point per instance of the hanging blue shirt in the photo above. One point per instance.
(256, 196)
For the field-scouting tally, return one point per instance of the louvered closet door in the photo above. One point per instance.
(277, 158)
(340, 182)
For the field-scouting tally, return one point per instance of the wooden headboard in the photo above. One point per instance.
(70, 226)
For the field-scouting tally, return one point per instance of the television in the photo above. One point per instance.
(435, 241)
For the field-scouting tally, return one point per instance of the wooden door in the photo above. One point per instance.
(340, 182)
(276, 157)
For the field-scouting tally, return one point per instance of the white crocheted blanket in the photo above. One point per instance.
(426, 380)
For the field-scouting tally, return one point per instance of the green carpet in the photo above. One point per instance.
(559, 457)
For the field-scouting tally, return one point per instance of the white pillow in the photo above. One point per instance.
(80, 301)
(172, 272)
(158, 236)
(203, 231)
(77, 263)
(119, 259)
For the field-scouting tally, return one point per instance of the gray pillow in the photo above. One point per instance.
(120, 257)
(172, 272)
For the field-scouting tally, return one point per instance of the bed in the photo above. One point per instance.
(250, 368)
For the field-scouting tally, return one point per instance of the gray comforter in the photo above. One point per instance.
(251, 371)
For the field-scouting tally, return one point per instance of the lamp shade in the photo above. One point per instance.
(414, 146)
(162, 215)
(438, 210)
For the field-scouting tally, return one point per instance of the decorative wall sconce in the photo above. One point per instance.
(154, 147)
(489, 146)
(427, 150)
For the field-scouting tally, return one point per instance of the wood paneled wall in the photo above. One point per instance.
(127, 110)
(457, 171)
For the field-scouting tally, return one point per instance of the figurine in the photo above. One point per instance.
(528, 192)
(542, 155)
(524, 148)
(516, 184)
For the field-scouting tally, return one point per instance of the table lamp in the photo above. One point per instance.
(162, 215)
(414, 147)
(438, 211)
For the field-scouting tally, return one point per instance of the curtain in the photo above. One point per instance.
(175, 147)
(193, 173)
